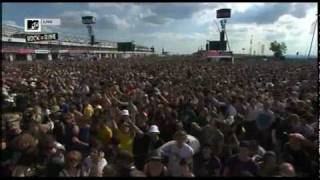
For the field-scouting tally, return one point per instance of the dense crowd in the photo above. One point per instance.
(153, 117)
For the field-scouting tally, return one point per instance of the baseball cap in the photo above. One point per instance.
(154, 129)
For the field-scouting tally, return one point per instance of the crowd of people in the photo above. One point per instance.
(152, 117)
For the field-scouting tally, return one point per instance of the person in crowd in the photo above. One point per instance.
(75, 142)
(125, 132)
(295, 152)
(145, 144)
(286, 170)
(109, 171)
(256, 151)
(57, 160)
(269, 165)
(185, 169)
(211, 135)
(154, 167)
(72, 165)
(94, 164)
(25, 155)
(102, 132)
(124, 165)
(177, 150)
(241, 162)
(207, 163)
(179, 106)
(51, 157)
(264, 120)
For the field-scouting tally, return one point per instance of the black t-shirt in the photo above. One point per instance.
(6, 156)
(299, 159)
(236, 166)
(281, 127)
(204, 167)
(143, 145)
(54, 166)
(140, 145)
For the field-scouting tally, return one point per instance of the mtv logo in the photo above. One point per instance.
(32, 25)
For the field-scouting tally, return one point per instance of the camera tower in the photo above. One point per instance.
(89, 21)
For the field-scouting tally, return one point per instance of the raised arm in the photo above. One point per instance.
(163, 99)
(136, 128)
(218, 103)
(119, 102)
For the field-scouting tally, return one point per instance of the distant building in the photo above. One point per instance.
(165, 53)
(262, 49)
(15, 47)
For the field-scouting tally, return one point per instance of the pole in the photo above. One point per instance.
(227, 40)
(314, 30)
(217, 26)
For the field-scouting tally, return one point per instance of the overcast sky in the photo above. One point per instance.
(180, 27)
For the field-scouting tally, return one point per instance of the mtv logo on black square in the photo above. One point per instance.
(32, 25)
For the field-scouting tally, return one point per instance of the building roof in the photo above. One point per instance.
(11, 33)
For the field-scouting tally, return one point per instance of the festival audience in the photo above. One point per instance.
(159, 117)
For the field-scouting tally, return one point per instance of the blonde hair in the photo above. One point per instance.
(73, 155)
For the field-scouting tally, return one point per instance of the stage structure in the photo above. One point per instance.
(217, 50)
(89, 21)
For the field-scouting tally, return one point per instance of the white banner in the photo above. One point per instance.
(63, 51)
(42, 51)
(50, 22)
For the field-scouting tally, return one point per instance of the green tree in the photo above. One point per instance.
(278, 49)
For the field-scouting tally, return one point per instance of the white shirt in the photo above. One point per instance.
(87, 165)
(175, 155)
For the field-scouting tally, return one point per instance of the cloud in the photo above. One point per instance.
(175, 10)
(118, 15)
(275, 36)
(102, 5)
(72, 19)
(10, 23)
(299, 10)
(208, 11)
(270, 13)
(166, 10)
(113, 22)
(156, 19)
(181, 27)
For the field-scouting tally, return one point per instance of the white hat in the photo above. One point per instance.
(154, 129)
(99, 107)
(59, 146)
(47, 112)
(125, 112)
